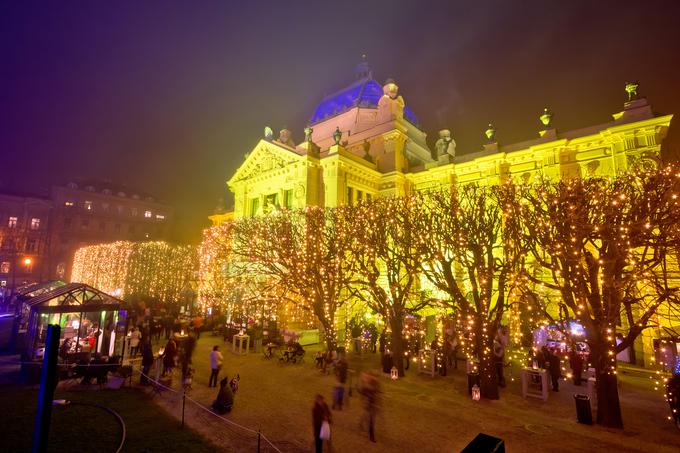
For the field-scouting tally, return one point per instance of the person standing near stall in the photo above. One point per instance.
(555, 372)
(135, 338)
(576, 364)
(147, 361)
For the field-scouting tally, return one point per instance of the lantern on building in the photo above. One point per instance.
(475, 393)
(394, 373)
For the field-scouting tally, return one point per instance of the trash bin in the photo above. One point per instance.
(485, 443)
(473, 379)
(583, 412)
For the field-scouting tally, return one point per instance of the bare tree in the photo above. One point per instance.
(471, 257)
(605, 247)
(387, 257)
(305, 254)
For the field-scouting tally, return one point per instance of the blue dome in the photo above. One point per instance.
(362, 93)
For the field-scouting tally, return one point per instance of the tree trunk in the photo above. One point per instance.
(608, 405)
(488, 377)
(329, 336)
(397, 346)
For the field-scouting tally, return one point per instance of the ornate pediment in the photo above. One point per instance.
(264, 158)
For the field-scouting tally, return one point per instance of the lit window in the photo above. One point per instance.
(160, 217)
(12, 223)
(88, 205)
(4, 267)
(3, 283)
(68, 204)
(147, 214)
(35, 223)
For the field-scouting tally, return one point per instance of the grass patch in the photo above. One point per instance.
(79, 428)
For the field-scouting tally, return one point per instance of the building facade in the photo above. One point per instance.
(39, 236)
(364, 142)
(24, 240)
(88, 213)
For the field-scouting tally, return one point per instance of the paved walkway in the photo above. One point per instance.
(418, 413)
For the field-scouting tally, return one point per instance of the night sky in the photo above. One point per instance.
(168, 96)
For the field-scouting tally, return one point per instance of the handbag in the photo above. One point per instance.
(325, 433)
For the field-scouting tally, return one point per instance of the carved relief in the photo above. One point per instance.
(263, 161)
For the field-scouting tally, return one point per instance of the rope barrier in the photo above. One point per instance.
(210, 411)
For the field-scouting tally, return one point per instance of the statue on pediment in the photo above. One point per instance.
(446, 145)
(391, 104)
(286, 138)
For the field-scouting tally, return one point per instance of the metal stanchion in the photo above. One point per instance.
(184, 398)
(48, 382)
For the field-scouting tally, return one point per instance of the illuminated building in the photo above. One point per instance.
(364, 142)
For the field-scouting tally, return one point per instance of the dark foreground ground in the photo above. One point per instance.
(83, 428)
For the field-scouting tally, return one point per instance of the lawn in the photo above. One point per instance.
(78, 428)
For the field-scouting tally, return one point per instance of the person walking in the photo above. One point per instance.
(370, 390)
(321, 419)
(215, 365)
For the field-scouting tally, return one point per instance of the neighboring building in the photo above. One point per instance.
(94, 212)
(364, 142)
(39, 236)
(24, 240)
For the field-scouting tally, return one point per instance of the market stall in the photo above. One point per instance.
(91, 322)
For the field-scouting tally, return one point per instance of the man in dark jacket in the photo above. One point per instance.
(555, 371)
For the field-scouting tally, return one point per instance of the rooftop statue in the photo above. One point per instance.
(308, 134)
(446, 145)
(268, 133)
(546, 118)
(490, 133)
(286, 137)
(337, 135)
(390, 105)
(632, 90)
